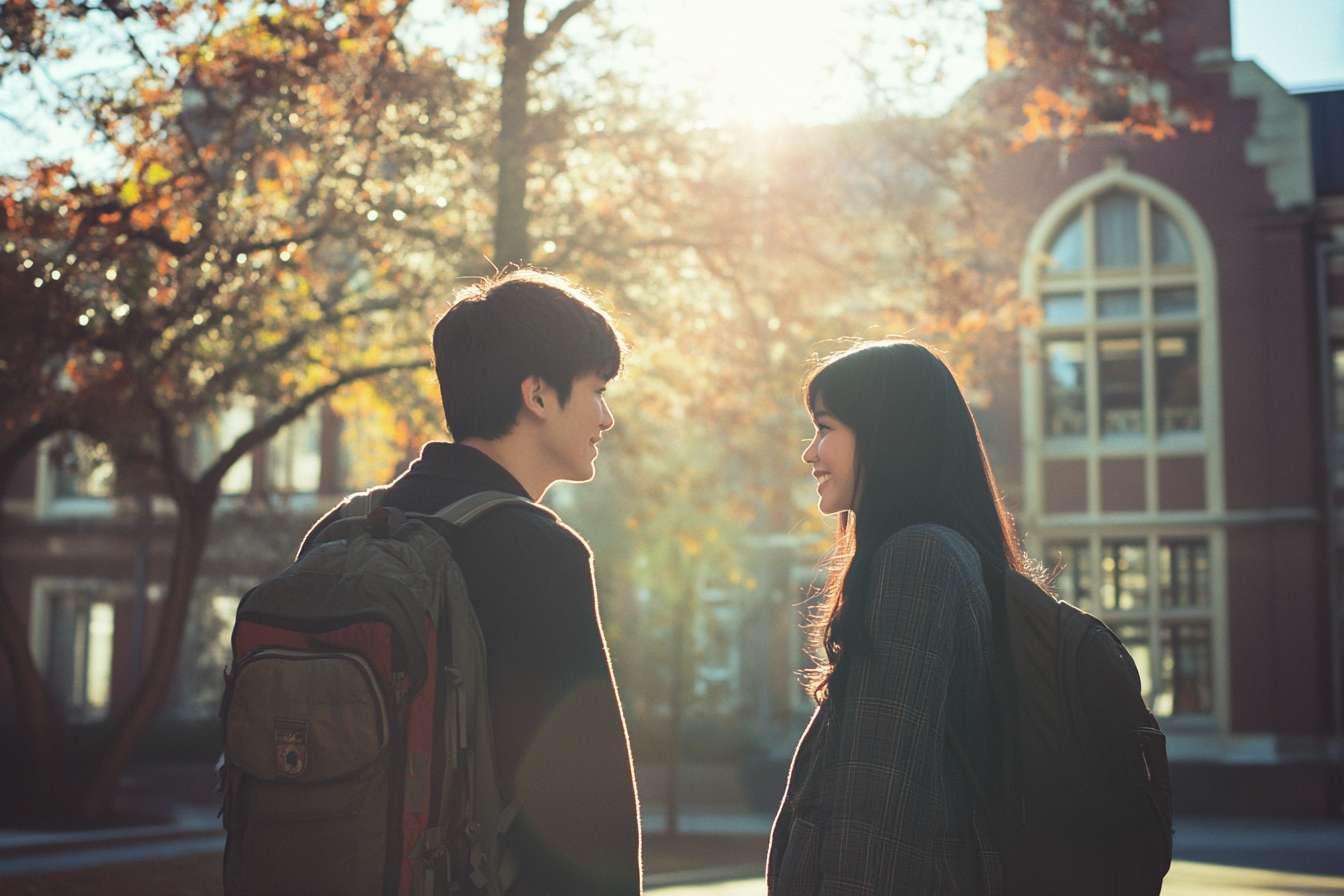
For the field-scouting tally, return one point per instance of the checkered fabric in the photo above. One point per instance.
(877, 802)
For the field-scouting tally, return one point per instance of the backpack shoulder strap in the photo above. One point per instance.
(363, 503)
(462, 512)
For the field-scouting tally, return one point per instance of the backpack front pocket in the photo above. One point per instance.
(310, 752)
(298, 717)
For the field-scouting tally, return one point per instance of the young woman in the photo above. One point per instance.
(878, 801)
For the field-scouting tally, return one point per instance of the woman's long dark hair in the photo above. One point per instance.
(917, 459)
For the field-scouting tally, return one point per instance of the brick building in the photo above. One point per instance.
(1172, 437)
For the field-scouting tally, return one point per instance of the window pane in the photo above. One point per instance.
(1178, 382)
(1074, 582)
(1065, 308)
(1124, 575)
(1066, 252)
(79, 652)
(1118, 231)
(1175, 302)
(1183, 573)
(1135, 638)
(237, 419)
(1187, 670)
(1169, 243)
(1339, 390)
(1118, 304)
(1065, 407)
(98, 682)
(66, 649)
(80, 467)
(1121, 384)
(295, 455)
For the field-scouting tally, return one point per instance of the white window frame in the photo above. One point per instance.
(1093, 524)
(44, 588)
(49, 505)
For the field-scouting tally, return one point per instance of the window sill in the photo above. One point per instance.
(80, 508)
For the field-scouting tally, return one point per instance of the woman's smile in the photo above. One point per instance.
(831, 456)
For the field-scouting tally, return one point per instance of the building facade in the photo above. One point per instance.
(1176, 410)
(85, 567)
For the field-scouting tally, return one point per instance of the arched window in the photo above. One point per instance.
(1119, 305)
(1122, 447)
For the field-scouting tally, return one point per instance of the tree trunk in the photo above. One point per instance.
(192, 534)
(511, 215)
(682, 669)
(40, 722)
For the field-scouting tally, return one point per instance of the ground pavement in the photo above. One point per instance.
(1223, 856)
(1214, 857)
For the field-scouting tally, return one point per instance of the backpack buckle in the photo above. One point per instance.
(379, 523)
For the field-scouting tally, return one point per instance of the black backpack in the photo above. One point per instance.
(1083, 802)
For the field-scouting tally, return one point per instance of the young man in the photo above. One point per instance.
(522, 362)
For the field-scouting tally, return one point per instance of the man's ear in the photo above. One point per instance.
(534, 399)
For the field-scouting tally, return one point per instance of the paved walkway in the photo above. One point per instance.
(1215, 857)
(193, 829)
(1184, 879)
(1223, 856)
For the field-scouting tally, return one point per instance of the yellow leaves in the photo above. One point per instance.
(157, 174)
(142, 218)
(182, 230)
(1051, 116)
(998, 55)
(1202, 125)
(130, 193)
(1042, 108)
(1147, 119)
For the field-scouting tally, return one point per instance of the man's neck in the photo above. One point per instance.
(516, 456)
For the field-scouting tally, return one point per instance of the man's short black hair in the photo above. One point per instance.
(504, 329)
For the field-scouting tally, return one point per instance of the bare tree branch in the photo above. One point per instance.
(265, 430)
(542, 42)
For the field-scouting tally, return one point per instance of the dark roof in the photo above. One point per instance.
(1327, 139)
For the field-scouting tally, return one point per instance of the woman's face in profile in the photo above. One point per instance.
(831, 455)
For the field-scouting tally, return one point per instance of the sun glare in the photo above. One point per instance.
(758, 61)
(768, 61)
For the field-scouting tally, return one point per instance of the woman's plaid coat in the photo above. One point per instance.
(877, 802)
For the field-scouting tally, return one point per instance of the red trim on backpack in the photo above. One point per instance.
(420, 740)
(371, 640)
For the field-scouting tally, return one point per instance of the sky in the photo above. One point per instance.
(1299, 42)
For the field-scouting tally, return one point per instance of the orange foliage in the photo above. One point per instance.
(1092, 54)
